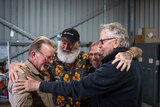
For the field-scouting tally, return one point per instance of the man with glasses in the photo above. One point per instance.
(111, 87)
(40, 53)
(94, 55)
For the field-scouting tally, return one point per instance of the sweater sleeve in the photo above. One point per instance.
(60, 88)
(101, 81)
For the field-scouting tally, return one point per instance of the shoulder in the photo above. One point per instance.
(23, 71)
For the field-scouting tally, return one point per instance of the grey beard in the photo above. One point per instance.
(68, 58)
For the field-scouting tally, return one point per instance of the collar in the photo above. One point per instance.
(112, 55)
(32, 68)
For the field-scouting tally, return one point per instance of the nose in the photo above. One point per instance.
(50, 61)
(66, 46)
(100, 45)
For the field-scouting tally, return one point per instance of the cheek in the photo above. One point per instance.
(91, 59)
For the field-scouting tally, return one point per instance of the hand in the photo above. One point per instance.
(125, 59)
(23, 86)
(13, 69)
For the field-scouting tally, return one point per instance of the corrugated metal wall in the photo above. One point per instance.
(147, 14)
(49, 17)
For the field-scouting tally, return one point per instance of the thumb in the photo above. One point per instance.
(29, 78)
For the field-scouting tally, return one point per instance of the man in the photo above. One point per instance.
(40, 53)
(71, 64)
(94, 55)
(112, 87)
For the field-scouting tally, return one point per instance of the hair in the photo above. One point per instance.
(37, 44)
(117, 31)
(93, 44)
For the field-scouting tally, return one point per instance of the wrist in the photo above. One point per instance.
(131, 53)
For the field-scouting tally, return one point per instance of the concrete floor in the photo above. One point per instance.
(5, 103)
(146, 105)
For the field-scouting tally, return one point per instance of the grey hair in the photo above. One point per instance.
(37, 44)
(117, 31)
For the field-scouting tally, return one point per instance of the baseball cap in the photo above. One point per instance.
(71, 35)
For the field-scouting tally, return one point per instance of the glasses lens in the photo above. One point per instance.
(96, 55)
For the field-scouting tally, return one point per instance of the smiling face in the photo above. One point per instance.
(67, 47)
(68, 52)
(95, 56)
(107, 43)
(42, 58)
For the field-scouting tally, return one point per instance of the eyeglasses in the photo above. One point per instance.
(102, 40)
(47, 58)
(96, 55)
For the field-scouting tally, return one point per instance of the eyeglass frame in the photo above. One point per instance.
(101, 41)
(96, 55)
(47, 58)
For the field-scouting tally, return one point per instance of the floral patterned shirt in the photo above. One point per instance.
(60, 71)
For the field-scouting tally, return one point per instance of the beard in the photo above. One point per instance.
(44, 68)
(68, 57)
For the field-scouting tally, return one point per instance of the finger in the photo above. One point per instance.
(124, 66)
(115, 60)
(19, 69)
(12, 77)
(18, 88)
(28, 78)
(22, 91)
(119, 64)
(128, 67)
(19, 81)
(15, 74)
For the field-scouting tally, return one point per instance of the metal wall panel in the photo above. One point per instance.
(147, 14)
(49, 17)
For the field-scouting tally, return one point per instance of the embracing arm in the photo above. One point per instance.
(135, 51)
(125, 58)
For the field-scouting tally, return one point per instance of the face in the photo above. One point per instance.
(67, 52)
(43, 57)
(67, 47)
(107, 44)
(95, 56)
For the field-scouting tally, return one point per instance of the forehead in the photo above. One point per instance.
(47, 48)
(105, 33)
(94, 49)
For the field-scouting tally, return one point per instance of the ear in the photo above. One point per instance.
(33, 54)
(117, 43)
(78, 42)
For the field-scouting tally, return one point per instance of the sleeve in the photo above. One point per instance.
(21, 100)
(101, 81)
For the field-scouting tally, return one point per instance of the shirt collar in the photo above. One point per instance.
(32, 68)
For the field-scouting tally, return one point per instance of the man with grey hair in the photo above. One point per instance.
(112, 87)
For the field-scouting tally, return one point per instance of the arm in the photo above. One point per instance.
(125, 58)
(96, 83)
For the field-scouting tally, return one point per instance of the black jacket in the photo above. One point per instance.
(111, 87)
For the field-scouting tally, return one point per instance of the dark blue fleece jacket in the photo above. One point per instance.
(111, 87)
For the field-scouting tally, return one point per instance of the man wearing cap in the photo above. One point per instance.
(70, 64)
